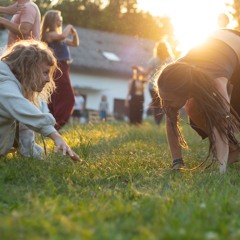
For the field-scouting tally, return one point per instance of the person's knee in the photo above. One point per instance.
(195, 114)
(192, 109)
(189, 107)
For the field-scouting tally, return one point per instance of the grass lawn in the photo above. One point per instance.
(124, 190)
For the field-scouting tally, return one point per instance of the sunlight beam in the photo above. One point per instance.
(192, 20)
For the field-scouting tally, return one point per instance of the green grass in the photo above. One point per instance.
(125, 190)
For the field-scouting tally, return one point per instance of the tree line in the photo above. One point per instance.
(118, 16)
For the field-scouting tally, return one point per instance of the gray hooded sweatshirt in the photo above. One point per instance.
(14, 106)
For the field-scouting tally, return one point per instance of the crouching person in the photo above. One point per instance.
(26, 70)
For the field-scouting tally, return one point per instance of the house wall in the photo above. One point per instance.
(94, 86)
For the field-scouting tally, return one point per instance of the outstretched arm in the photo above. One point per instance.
(12, 9)
(61, 145)
(222, 150)
(172, 135)
(221, 142)
(55, 36)
(13, 27)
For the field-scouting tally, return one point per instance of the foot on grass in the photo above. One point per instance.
(177, 164)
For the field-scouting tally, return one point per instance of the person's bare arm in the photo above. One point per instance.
(25, 30)
(74, 42)
(12, 9)
(222, 150)
(175, 148)
(22, 30)
(13, 27)
(55, 36)
(61, 145)
(221, 143)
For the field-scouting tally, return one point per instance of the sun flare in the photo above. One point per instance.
(192, 20)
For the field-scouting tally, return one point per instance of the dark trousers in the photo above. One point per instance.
(136, 109)
(62, 100)
(155, 107)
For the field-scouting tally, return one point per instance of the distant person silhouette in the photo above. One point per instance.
(78, 107)
(103, 108)
(162, 54)
(135, 96)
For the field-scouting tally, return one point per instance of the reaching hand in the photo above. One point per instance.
(15, 9)
(73, 31)
(62, 146)
(75, 157)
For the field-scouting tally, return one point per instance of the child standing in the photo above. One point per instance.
(103, 108)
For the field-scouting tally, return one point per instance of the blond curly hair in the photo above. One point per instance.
(24, 58)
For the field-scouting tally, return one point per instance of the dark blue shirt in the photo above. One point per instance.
(61, 50)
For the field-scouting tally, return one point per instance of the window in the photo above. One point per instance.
(111, 56)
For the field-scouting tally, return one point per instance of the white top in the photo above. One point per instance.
(79, 103)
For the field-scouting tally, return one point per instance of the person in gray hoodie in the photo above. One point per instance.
(26, 78)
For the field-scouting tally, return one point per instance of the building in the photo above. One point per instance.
(101, 65)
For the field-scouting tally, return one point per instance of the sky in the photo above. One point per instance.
(171, 7)
(192, 20)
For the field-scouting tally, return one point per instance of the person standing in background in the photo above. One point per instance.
(62, 100)
(103, 108)
(24, 25)
(78, 107)
(135, 96)
(162, 54)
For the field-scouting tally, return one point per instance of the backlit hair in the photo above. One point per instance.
(184, 79)
(49, 23)
(24, 58)
(163, 50)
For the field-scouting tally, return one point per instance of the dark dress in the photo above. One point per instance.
(63, 99)
(136, 104)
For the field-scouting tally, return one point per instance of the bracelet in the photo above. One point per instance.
(178, 161)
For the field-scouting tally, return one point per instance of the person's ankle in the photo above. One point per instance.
(177, 163)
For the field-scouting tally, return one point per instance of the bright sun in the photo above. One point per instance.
(193, 20)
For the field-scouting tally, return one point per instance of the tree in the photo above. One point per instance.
(44, 5)
(119, 16)
(234, 10)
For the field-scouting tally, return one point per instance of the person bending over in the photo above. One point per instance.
(26, 70)
(206, 80)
